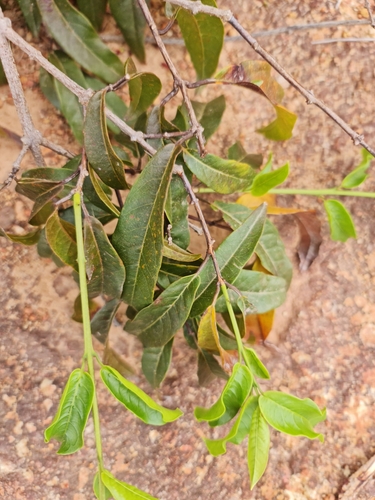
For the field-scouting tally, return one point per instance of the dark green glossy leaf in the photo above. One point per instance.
(209, 368)
(102, 321)
(70, 420)
(99, 150)
(131, 22)
(282, 127)
(177, 208)
(95, 486)
(157, 323)
(231, 256)
(263, 291)
(28, 239)
(224, 176)
(203, 36)
(231, 399)
(209, 114)
(291, 415)
(94, 10)
(135, 400)
(255, 364)
(239, 430)
(156, 361)
(258, 447)
(263, 182)
(94, 191)
(340, 221)
(237, 152)
(138, 238)
(143, 90)
(75, 34)
(123, 491)
(43, 206)
(174, 252)
(270, 248)
(359, 174)
(104, 268)
(61, 238)
(31, 14)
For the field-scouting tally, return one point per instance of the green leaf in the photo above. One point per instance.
(135, 400)
(358, 175)
(93, 190)
(143, 90)
(239, 430)
(3, 78)
(130, 20)
(255, 364)
(231, 256)
(177, 208)
(31, 14)
(231, 399)
(43, 206)
(174, 252)
(282, 127)
(258, 447)
(104, 268)
(61, 238)
(95, 486)
(102, 321)
(94, 10)
(47, 86)
(340, 221)
(291, 415)
(157, 323)
(28, 239)
(123, 491)
(138, 238)
(237, 152)
(156, 361)
(154, 127)
(75, 34)
(99, 150)
(70, 420)
(263, 291)
(270, 248)
(264, 182)
(209, 114)
(209, 368)
(203, 36)
(224, 176)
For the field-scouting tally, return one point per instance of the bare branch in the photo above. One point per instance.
(197, 7)
(369, 10)
(345, 40)
(178, 82)
(57, 149)
(16, 166)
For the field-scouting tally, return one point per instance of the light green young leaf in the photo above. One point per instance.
(156, 362)
(28, 239)
(135, 400)
(340, 221)
(143, 90)
(99, 150)
(61, 238)
(104, 268)
(157, 323)
(224, 176)
(255, 364)
(123, 491)
(130, 20)
(231, 399)
(203, 36)
(258, 447)
(70, 420)
(282, 127)
(138, 238)
(239, 430)
(174, 252)
(359, 174)
(31, 14)
(231, 255)
(95, 487)
(209, 368)
(291, 415)
(263, 182)
(94, 10)
(75, 34)
(270, 248)
(102, 321)
(263, 291)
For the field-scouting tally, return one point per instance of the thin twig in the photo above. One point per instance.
(345, 40)
(57, 149)
(196, 128)
(369, 10)
(196, 7)
(165, 135)
(15, 167)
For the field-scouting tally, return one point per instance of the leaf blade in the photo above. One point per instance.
(340, 221)
(258, 448)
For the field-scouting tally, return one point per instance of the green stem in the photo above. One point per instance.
(89, 351)
(234, 322)
(322, 192)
